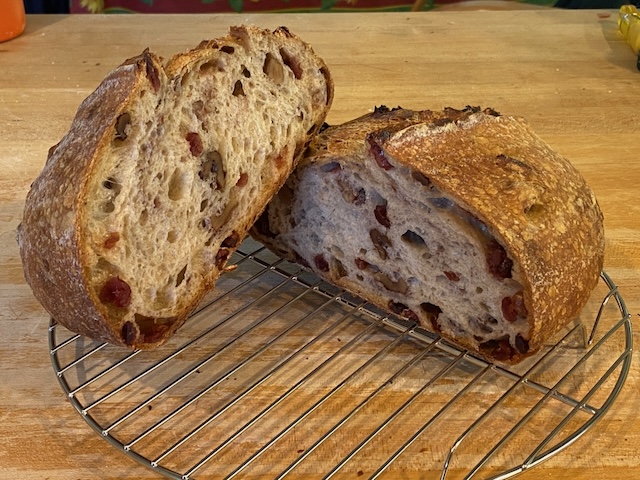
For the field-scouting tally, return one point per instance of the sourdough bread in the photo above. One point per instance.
(160, 176)
(464, 221)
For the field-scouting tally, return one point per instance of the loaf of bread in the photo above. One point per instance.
(163, 171)
(463, 221)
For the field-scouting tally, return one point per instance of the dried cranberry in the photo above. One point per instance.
(111, 240)
(381, 215)
(221, 257)
(499, 263)
(321, 263)
(116, 292)
(279, 161)
(378, 154)
(231, 241)
(513, 307)
(242, 180)
(195, 144)
(452, 276)
(361, 264)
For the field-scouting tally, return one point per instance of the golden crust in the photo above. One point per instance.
(531, 198)
(52, 220)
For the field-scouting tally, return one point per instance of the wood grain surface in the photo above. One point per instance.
(567, 72)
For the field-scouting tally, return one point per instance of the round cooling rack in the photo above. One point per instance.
(279, 373)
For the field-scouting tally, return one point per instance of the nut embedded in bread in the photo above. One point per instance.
(163, 171)
(464, 221)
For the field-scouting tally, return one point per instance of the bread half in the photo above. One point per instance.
(464, 221)
(160, 176)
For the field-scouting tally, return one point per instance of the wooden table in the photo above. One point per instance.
(568, 72)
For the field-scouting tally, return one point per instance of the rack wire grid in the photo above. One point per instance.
(279, 373)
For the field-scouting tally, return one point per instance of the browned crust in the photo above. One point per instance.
(52, 220)
(51, 237)
(532, 200)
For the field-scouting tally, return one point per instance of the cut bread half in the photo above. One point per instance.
(160, 176)
(464, 221)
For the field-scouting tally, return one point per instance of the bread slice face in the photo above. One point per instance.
(160, 176)
(464, 221)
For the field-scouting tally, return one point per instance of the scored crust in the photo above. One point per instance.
(161, 174)
(532, 199)
(494, 173)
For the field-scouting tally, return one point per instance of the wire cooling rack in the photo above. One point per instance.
(279, 373)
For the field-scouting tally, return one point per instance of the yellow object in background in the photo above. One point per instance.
(629, 24)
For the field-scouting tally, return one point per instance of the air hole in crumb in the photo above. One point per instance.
(123, 126)
(273, 69)
(228, 49)
(412, 238)
(246, 72)
(479, 290)
(338, 268)
(238, 90)
(312, 130)
(180, 276)
(144, 216)
(108, 207)
(105, 266)
(291, 62)
(172, 236)
(199, 109)
(113, 185)
(177, 185)
(204, 204)
(207, 67)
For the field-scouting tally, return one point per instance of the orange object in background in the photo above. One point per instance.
(12, 19)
